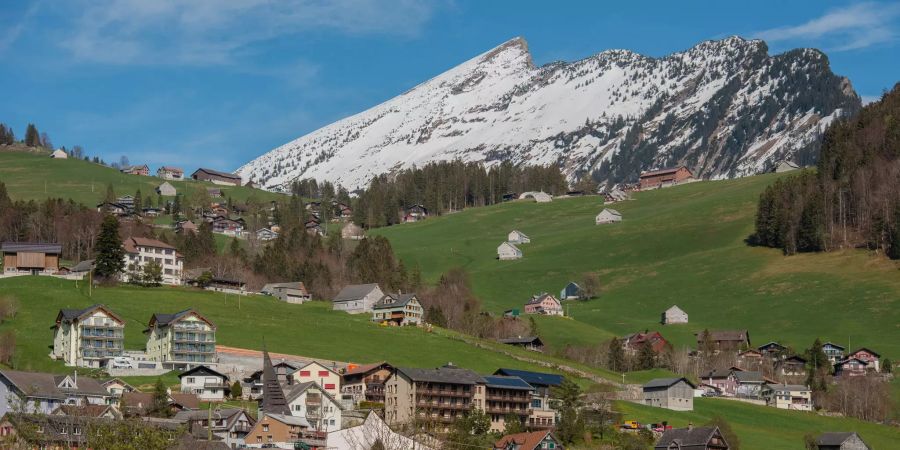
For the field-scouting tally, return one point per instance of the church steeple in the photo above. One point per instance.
(273, 401)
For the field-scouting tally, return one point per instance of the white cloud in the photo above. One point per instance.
(852, 27)
(216, 32)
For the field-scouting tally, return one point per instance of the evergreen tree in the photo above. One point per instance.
(152, 275)
(817, 368)
(110, 196)
(108, 251)
(615, 356)
(5, 201)
(513, 424)
(236, 250)
(138, 202)
(533, 327)
(646, 357)
(32, 136)
(887, 366)
(160, 404)
(571, 424)
(237, 391)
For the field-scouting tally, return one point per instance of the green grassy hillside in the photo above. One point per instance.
(682, 245)
(36, 176)
(762, 427)
(311, 330)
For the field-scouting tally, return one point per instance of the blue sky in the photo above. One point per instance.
(218, 82)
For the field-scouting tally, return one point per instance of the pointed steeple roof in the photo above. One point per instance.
(273, 401)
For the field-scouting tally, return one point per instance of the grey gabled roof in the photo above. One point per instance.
(788, 387)
(84, 266)
(522, 340)
(203, 370)
(686, 437)
(11, 247)
(354, 292)
(295, 390)
(46, 385)
(69, 315)
(749, 376)
(394, 301)
(506, 382)
(835, 438)
(666, 382)
(445, 374)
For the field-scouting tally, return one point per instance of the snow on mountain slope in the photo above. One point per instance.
(723, 108)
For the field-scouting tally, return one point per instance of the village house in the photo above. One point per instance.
(170, 173)
(841, 441)
(309, 401)
(791, 366)
(266, 234)
(674, 315)
(140, 251)
(59, 154)
(773, 350)
(441, 395)
(151, 212)
(414, 213)
(42, 393)
(722, 382)
(544, 303)
(692, 438)
(665, 177)
(185, 226)
(507, 396)
(182, 340)
(216, 177)
(518, 237)
(788, 396)
(352, 231)
(398, 309)
(532, 440)
(30, 258)
(328, 379)
(207, 384)
(608, 215)
(277, 430)
(357, 298)
(87, 337)
(572, 291)
(750, 359)
(539, 197)
(342, 211)
(851, 367)
(314, 227)
(142, 170)
(676, 394)
(166, 189)
(542, 413)
(138, 403)
(508, 251)
(871, 358)
(229, 425)
(372, 433)
(750, 383)
(365, 382)
(532, 343)
(113, 208)
(116, 387)
(724, 340)
(633, 342)
(228, 227)
(86, 410)
(292, 292)
(833, 351)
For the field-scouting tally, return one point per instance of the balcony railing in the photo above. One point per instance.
(509, 398)
(442, 405)
(443, 392)
(518, 411)
(241, 428)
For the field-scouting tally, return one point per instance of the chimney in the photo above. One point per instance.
(75, 380)
(690, 426)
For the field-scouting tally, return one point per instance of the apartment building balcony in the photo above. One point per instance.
(241, 428)
(102, 333)
(194, 348)
(443, 392)
(194, 338)
(101, 353)
(504, 411)
(443, 405)
(193, 358)
(524, 398)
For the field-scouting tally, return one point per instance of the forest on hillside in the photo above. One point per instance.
(852, 199)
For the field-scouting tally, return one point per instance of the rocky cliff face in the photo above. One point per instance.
(722, 108)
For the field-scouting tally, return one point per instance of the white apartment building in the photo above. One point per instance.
(182, 340)
(140, 251)
(206, 383)
(328, 379)
(87, 337)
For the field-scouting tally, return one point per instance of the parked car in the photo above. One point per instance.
(121, 362)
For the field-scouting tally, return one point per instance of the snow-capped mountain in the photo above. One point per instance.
(722, 108)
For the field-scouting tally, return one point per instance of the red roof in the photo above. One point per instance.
(364, 368)
(669, 170)
(523, 441)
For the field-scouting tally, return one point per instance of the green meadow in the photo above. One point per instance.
(36, 176)
(678, 246)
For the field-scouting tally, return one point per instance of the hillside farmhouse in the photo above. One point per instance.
(398, 309)
(29, 257)
(357, 298)
(872, 358)
(608, 215)
(721, 340)
(544, 303)
(170, 173)
(676, 394)
(414, 213)
(292, 292)
(166, 189)
(539, 197)
(572, 291)
(665, 177)
(216, 177)
(59, 154)
(692, 438)
(633, 343)
(507, 251)
(517, 237)
(142, 170)
(527, 342)
(674, 315)
(788, 396)
(841, 441)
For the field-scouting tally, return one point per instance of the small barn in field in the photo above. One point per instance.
(570, 292)
(608, 215)
(508, 251)
(540, 197)
(518, 237)
(674, 315)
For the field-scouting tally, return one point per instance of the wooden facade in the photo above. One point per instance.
(34, 258)
(665, 177)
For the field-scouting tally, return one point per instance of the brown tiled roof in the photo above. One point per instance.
(364, 368)
(660, 172)
(522, 441)
(131, 244)
(189, 401)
